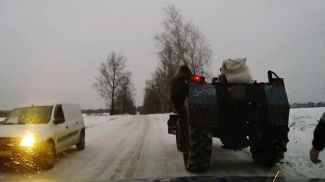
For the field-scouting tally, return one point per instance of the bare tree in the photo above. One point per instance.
(182, 43)
(198, 52)
(152, 99)
(125, 94)
(179, 43)
(111, 74)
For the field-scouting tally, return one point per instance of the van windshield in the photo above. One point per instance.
(29, 115)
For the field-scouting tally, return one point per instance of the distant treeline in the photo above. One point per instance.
(307, 105)
(101, 111)
(95, 111)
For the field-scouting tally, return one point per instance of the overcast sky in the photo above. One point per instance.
(51, 50)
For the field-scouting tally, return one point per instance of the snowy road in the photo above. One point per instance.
(127, 147)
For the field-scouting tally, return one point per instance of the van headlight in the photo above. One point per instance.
(27, 140)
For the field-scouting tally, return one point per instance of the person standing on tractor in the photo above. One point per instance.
(178, 91)
(179, 87)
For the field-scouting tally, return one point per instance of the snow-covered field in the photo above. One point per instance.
(302, 124)
(127, 147)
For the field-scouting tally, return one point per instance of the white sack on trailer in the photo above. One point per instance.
(236, 71)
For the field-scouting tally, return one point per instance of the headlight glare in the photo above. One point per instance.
(27, 140)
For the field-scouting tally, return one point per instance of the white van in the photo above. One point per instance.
(38, 133)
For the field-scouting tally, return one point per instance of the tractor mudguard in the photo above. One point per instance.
(201, 104)
(277, 105)
(277, 111)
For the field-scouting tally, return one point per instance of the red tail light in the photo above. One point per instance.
(197, 78)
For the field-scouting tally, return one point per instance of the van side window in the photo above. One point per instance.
(59, 113)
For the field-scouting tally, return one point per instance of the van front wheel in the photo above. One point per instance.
(47, 156)
(81, 144)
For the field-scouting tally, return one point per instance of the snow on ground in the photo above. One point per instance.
(302, 123)
(92, 120)
(128, 147)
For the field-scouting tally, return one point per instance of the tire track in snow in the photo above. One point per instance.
(126, 164)
(120, 144)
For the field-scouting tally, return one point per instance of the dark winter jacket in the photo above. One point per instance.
(319, 134)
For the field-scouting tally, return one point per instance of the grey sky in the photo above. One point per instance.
(51, 50)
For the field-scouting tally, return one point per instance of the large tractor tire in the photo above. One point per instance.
(269, 145)
(181, 131)
(195, 143)
(179, 139)
(198, 149)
